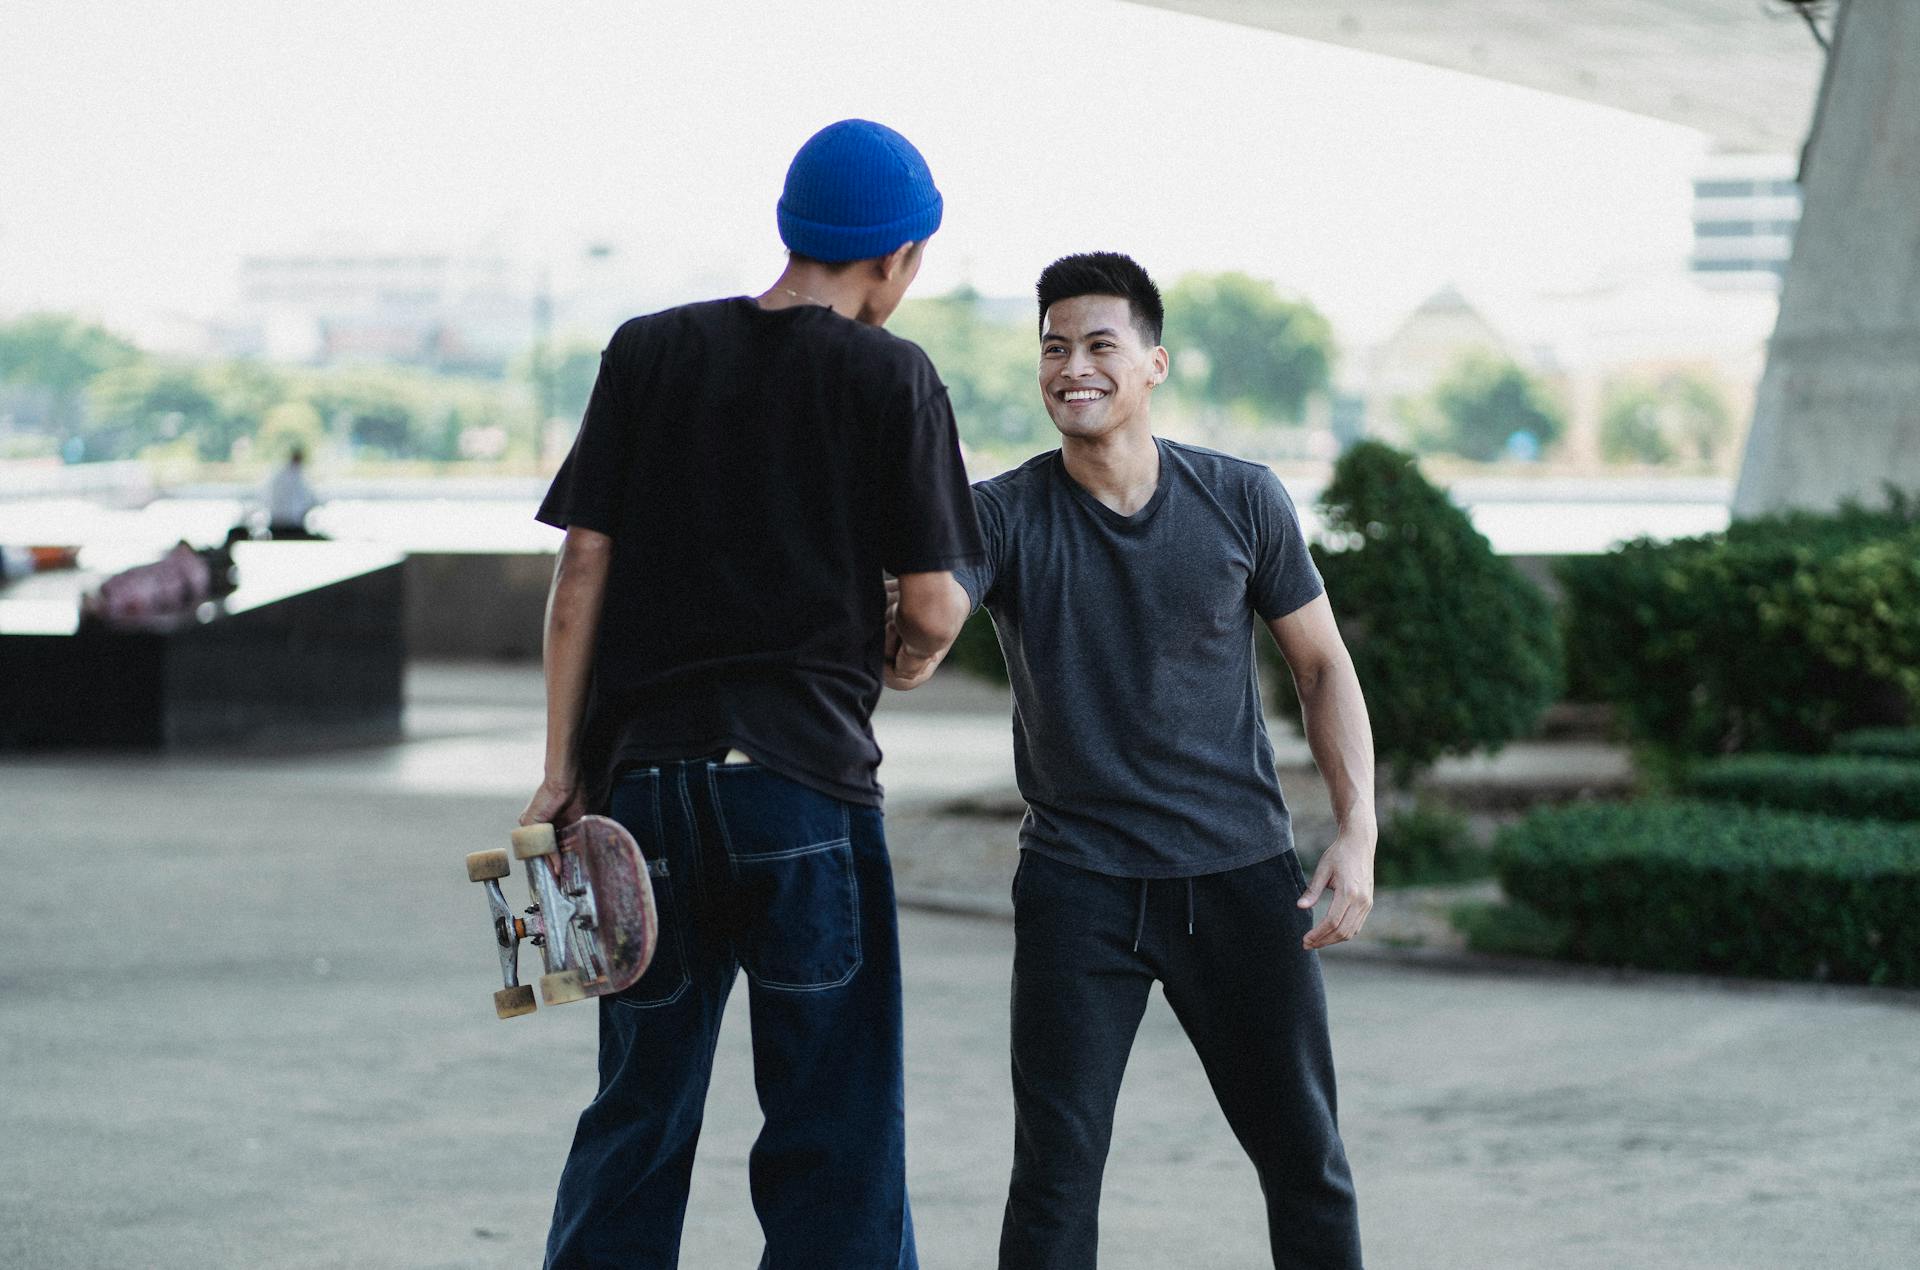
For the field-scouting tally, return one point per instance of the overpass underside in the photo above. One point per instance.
(1837, 415)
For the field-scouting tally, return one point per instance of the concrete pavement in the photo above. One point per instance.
(245, 1023)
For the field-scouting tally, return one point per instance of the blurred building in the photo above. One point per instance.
(1745, 210)
(445, 311)
(1407, 365)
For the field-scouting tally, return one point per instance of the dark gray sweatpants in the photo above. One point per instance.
(1087, 949)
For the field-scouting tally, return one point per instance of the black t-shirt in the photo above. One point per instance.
(757, 470)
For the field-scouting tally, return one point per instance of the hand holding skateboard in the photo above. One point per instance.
(592, 915)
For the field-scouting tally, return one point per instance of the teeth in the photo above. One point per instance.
(1085, 394)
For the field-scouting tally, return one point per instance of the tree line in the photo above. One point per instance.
(1246, 359)
(74, 389)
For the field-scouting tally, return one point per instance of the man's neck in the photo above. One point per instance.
(841, 290)
(1121, 468)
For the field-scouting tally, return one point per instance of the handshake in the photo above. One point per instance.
(925, 612)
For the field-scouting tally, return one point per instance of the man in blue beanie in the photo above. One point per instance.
(747, 473)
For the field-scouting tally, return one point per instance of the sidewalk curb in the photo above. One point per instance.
(1452, 962)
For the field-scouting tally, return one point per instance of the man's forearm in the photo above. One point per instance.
(573, 624)
(930, 615)
(1335, 715)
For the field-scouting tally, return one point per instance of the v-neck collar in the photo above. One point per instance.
(1107, 515)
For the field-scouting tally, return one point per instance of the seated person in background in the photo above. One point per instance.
(290, 498)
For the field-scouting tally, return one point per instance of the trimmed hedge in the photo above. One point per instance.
(1425, 845)
(1776, 635)
(1722, 889)
(1833, 785)
(1881, 743)
(1508, 930)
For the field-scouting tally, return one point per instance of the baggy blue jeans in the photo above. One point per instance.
(751, 871)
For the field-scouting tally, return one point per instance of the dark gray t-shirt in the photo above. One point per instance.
(1138, 739)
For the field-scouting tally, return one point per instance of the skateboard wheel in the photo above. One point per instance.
(534, 840)
(561, 987)
(512, 1002)
(486, 866)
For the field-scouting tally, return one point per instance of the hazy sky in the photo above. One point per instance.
(145, 147)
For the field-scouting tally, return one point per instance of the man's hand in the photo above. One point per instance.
(1345, 868)
(909, 663)
(557, 802)
(904, 671)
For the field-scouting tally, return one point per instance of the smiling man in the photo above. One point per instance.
(1125, 574)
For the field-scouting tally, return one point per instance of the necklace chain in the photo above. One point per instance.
(801, 295)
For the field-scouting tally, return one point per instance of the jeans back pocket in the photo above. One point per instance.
(791, 856)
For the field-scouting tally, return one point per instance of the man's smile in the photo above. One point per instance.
(1083, 394)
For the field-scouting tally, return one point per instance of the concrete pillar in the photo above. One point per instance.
(1837, 415)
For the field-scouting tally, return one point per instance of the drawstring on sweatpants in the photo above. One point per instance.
(1140, 922)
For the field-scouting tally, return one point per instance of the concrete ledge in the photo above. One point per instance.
(485, 606)
(308, 651)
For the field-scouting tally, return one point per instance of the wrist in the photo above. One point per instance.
(1360, 819)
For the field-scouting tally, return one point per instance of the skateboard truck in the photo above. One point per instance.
(564, 872)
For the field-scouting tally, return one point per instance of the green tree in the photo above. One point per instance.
(146, 403)
(1654, 421)
(990, 367)
(456, 405)
(289, 426)
(1485, 401)
(243, 393)
(59, 356)
(1237, 344)
(575, 368)
(1455, 650)
(558, 377)
(374, 408)
(1630, 427)
(1701, 416)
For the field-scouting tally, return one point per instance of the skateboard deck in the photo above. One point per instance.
(592, 915)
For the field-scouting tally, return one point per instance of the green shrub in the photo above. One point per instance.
(1456, 651)
(1425, 845)
(1725, 889)
(1775, 635)
(1832, 785)
(1509, 930)
(976, 649)
(1880, 743)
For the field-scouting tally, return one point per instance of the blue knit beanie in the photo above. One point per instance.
(857, 190)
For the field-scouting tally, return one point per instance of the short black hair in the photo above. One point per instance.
(1104, 273)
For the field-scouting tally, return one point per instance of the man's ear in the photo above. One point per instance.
(896, 260)
(1162, 365)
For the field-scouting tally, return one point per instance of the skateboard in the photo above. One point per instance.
(592, 915)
